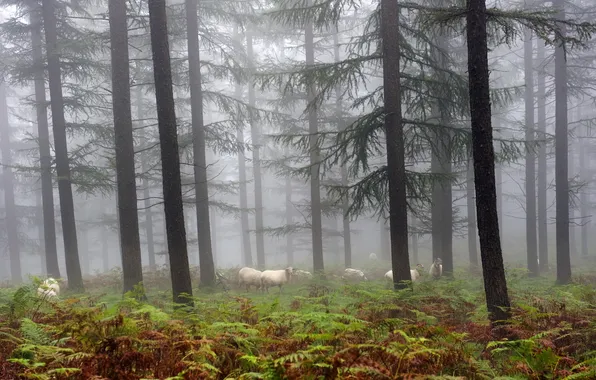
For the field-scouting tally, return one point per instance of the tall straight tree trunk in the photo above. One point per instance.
(499, 184)
(415, 258)
(39, 222)
(542, 169)
(583, 197)
(471, 206)
(495, 284)
(442, 202)
(69, 229)
(561, 159)
(341, 125)
(146, 189)
(207, 266)
(572, 221)
(170, 156)
(45, 157)
(85, 251)
(394, 131)
(531, 237)
(289, 215)
(244, 226)
(315, 180)
(130, 242)
(256, 160)
(10, 219)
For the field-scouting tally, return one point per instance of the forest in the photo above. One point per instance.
(297, 189)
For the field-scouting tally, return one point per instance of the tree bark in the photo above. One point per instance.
(415, 258)
(341, 125)
(146, 187)
(394, 131)
(561, 158)
(45, 157)
(256, 160)
(542, 169)
(531, 238)
(495, 284)
(206, 262)
(585, 221)
(69, 230)
(10, 220)
(289, 214)
(130, 242)
(471, 206)
(170, 158)
(315, 181)
(39, 223)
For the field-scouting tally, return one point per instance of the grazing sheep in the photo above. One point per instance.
(372, 256)
(249, 276)
(353, 275)
(414, 274)
(436, 269)
(301, 275)
(49, 288)
(276, 278)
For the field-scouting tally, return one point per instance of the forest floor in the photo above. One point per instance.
(309, 331)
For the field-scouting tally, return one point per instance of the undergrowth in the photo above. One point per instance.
(309, 331)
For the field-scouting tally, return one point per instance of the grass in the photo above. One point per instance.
(310, 331)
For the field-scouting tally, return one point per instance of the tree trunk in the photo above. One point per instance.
(572, 206)
(10, 219)
(39, 223)
(531, 238)
(394, 131)
(341, 125)
(170, 158)
(499, 184)
(542, 170)
(130, 243)
(315, 181)
(69, 230)
(256, 161)
(442, 202)
(45, 157)
(289, 214)
(206, 262)
(495, 284)
(86, 257)
(585, 221)
(415, 258)
(146, 189)
(472, 227)
(561, 159)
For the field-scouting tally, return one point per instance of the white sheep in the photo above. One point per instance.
(436, 269)
(248, 277)
(301, 275)
(276, 278)
(49, 288)
(414, 273)
(353, 275)
(372, 256)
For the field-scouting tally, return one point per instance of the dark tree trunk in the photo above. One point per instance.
(39, 223)
(341, 125)
(170, 158)
(531, 238)
(45, 157)
(561, 159)
(207, 265)
(415, 258)
(130, 243)
(471, 206)
(11, 222)
(315, 181)
(69, 229)
(255, 134)
(542, 170)
(572, 206)
(495, 284)
(394, 130)
(146, 189)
